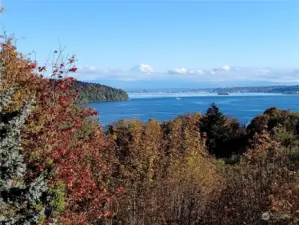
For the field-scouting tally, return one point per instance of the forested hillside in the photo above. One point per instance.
(263, 89)
(94, 92)
(208, 169)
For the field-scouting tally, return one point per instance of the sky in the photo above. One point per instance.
(171, 43)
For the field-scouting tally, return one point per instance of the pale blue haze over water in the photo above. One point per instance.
(165, 107)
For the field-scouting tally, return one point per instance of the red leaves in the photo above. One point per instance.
(92, 112)
(42, 69)
(78, 124)
(107, 214)
(72, 59)
(56, 139)
(119, 190)
(73, 69)
(105, 170)
(32, 66)
(55, 154)
(60, 139)
(110, 199)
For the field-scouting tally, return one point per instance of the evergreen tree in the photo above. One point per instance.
(225, 136)
(20, 200)
(213, 124)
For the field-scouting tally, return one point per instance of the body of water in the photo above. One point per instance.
(167, 106)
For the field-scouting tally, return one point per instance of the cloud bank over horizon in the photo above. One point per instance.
(217, 74)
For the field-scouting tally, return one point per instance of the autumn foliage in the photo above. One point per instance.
(55, 140)
(196, 169)
(175, 173)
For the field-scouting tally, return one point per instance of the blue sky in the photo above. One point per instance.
(190, 41)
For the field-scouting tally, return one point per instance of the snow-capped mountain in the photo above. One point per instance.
(142, 68)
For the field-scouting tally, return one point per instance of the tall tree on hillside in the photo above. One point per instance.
(225, 136)
(213, 124)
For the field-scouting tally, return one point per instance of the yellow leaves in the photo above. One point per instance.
(19, 97)
(35, 154)
(34, 128)
(150, 170)
(197, 170)
(15, 75)
(49, 161)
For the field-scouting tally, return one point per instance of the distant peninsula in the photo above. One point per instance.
(94, 92)
(294, 89)
(278, 89)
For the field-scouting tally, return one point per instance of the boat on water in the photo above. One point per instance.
(223, 93)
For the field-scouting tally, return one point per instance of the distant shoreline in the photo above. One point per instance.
(279, 89)
(197, 94)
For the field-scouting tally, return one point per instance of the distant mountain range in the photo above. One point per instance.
(142, 68)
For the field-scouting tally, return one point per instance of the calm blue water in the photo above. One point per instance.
(143, 107)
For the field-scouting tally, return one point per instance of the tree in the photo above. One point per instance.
(58, 152)
(225, 136)
(167, 174)
(21, 202)
(213, 125)
(55, 140)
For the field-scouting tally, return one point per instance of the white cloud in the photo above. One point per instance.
(213, 71)
(196, 72)
(225, 68)
(222, 68)
(139, 72)
(178, 71)
(185, 71)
